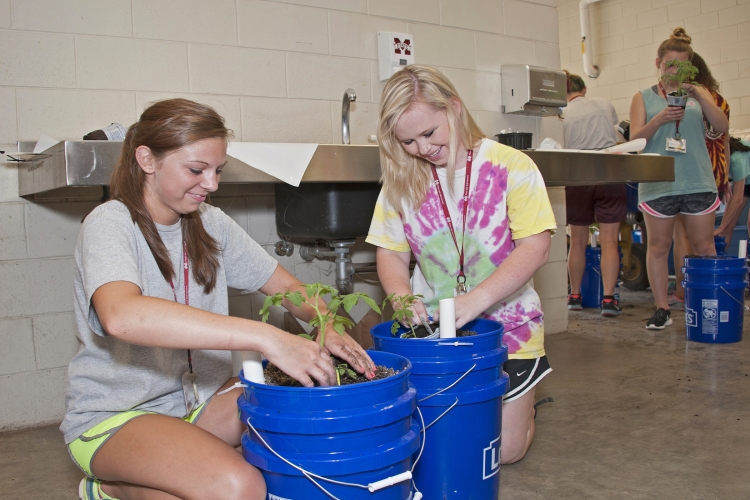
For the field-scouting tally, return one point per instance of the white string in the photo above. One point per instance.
(236, 385)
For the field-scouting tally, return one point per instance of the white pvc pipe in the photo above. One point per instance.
(252, 367)
(448, 318)
(743, 249)
(587, 47)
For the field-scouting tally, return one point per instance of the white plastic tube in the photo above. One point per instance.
(448, 318)
(252, 367)
(743, 249)
(587, 47)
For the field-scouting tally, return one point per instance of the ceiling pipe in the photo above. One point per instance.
(587, 47)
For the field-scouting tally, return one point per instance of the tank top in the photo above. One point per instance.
(692, 170)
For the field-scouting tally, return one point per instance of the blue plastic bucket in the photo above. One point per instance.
(721, 245)
(592, 288)
(715, 298)
(360, 433)
(461, 457)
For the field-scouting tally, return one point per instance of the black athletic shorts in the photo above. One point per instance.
(747, 191)
(524, 375)
(607, 204)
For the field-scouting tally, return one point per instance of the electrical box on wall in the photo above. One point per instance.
(531, 90)
(395, 50)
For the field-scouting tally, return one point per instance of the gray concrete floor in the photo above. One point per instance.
(636, 415)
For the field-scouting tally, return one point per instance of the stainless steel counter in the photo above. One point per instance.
(79, 169)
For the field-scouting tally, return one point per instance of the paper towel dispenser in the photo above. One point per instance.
(532, 90)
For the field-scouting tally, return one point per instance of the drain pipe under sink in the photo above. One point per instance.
(587, 48)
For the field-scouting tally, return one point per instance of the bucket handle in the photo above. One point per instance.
(372, 487)
(449, 387)
(740, 303)
(456, 343)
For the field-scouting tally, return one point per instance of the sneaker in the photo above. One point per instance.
(676, 303)
(659, 320)
(575, 302)
(611, 307)
(90, 489)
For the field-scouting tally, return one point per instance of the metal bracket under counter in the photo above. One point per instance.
(78, 170)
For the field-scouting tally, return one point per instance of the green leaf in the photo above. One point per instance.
(295, 298)
(351, 373)
(338, 328)
(350, 301)
(373, 305)
(305, 336)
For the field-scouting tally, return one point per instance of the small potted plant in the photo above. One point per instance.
(402, 314)
(685, 73)
(314, 292)
(352, 433)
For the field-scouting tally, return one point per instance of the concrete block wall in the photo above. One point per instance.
(626, 34)
(276, 70)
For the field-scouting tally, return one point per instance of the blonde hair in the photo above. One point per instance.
(678, 41)
(406, 178)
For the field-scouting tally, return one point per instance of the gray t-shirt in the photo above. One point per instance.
(109, 376)
(589, 123)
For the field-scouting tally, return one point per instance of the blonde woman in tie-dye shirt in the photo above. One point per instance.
(425, 130)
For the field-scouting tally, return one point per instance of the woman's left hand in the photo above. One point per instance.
(346, 348)
(697, 92)
(468, 308)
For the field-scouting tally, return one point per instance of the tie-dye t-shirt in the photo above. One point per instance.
(507, 201)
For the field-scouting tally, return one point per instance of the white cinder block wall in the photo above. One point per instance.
(277, 72)
(626, 34)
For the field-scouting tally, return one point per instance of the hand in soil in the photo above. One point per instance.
(346, 348)
(274, 376)
(302, 359)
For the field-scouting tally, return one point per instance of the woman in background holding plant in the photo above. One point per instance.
(718, 151)
(678, 132)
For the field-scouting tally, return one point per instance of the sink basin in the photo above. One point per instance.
(325, 210)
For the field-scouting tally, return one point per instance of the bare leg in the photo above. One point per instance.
(518, 427)
(608, 240)
(681, 249)
(657, 253)
(160, 457)
(700, 233)
(579, 237)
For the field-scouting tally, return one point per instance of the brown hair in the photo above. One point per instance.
(678, 41)
(735, 144)
(704, 76)
(165, 127)
(574, 82)
(406, 178)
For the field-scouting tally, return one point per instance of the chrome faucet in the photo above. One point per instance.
(349, 96)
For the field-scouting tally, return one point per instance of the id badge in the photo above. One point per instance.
(190, 391)
(676, 145)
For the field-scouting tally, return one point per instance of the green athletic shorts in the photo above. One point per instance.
(84, 449)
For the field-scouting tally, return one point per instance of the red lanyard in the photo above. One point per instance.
(186, 279)
(677, 123)
(461, 278)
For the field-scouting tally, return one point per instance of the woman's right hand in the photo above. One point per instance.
(670, 114)
(301, 359)
(420, 313)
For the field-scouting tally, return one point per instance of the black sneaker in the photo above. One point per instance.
(575, 302)
(611, 307)
(659, 320)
